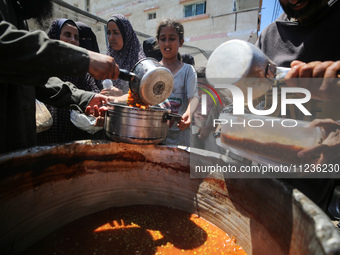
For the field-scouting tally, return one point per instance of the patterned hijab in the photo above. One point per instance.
(55, 29)
(132, 50)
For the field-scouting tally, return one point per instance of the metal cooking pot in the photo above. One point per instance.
(151, 81)
(139, 126)
(244, 65)
(44, 188)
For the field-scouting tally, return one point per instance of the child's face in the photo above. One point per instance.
(169, 42)
(114, 36)
(69, 34)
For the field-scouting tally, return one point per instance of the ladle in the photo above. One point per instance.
(242, 64)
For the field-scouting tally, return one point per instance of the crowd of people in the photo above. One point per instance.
(55, 70)
(64, 76)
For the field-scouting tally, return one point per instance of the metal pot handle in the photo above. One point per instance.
(172, 116)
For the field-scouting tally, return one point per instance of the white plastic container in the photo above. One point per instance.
(107, 84)
(264, 137)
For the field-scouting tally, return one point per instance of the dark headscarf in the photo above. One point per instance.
(86, 83)
(63, 129)
(132, 51)
(57, 25)
(150, 50)
(189, 59)
(87, 39)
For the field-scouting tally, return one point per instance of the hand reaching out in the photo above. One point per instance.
(320, 78)
(97, 109)
(102, 67)
(329, 149)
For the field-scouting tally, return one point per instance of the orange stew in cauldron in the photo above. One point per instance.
(139, 229)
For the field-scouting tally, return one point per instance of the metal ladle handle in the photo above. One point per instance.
(126, 75)
(131, 78)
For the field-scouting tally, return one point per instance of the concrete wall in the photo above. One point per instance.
(224, 20)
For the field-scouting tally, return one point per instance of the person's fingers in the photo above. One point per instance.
(88, 110)
(102, 111)
(331, 73)
(306, 71)
(296, 63)
(320, 68)
(333, 70)
(292, 74)
(95, 111)
(328, 125)
(100, 121)
(182, 125)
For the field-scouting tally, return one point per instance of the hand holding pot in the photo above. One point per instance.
(187, 116)
(185, 121)
(102, 67)
(323, 83)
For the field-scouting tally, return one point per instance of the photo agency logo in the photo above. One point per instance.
(239, 98)
(246, 73)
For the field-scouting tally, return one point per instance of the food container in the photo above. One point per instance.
(139, 126)
(268, 139)
(45, 188)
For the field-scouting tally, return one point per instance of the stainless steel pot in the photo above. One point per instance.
(139, 126)
(244, 65)
(151, 81)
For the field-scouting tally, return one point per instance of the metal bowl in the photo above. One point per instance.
(45, 188)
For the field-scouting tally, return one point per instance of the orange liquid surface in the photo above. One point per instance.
(140, 229)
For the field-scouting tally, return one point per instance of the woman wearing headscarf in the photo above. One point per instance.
(123, 46)
(63, 129)
(87, 39)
